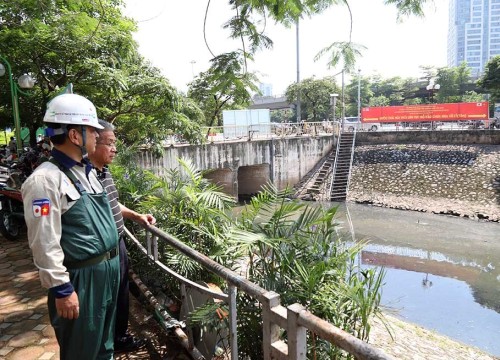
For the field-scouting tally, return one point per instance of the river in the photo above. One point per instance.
(442, 272)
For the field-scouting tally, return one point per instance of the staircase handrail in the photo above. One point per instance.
(350, 163)
(334, 170)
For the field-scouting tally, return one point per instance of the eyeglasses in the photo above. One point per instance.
(110, 145)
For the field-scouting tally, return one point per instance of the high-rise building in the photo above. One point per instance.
(473, 33)
(266, 89)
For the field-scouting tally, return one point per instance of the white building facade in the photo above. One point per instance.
(473, 33)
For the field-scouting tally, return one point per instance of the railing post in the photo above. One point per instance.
(233, 335)
(155, 248)
(297, 339)
(185, 305)
(270, 330)
(149, 243)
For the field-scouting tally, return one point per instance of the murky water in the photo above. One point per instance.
(443, 273)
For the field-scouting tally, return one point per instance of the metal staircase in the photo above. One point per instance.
(342, 167)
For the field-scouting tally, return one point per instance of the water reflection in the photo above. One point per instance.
(442, 272)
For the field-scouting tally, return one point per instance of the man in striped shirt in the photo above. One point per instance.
(104, 154)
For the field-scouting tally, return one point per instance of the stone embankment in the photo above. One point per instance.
(442, 179)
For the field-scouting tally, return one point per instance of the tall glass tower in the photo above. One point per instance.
(473, 33)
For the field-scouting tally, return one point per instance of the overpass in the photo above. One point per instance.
(270, 102)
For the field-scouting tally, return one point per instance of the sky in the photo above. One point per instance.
(170, 35)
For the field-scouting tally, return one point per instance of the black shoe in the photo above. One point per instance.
(128, 343)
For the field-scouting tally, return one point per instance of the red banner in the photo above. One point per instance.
(427, 112)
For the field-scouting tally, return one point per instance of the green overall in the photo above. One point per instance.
(88, 232)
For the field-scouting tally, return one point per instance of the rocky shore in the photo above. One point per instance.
(412, 342)
(443, 179)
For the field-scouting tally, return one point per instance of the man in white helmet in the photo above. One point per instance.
(72, 234)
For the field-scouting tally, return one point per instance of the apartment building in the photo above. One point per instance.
(473, 33)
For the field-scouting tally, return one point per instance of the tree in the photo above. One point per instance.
(89, 44)
(490, 81)
(250, 13)
(314, 97)
(224, 86)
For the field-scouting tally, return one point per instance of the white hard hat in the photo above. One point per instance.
(71, 109)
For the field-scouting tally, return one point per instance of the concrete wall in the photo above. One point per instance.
(284, 160)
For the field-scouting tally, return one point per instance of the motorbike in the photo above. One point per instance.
(12, 175)
(12, 225)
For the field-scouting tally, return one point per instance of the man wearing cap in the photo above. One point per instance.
(72, 234)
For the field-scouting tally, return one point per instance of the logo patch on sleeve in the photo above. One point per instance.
(41, 207)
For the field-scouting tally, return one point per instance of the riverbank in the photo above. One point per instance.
(459, 180)
(453, 207)
(413, 342)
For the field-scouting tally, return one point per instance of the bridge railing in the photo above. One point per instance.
(263, 131)
(294, 319)
(230, 133)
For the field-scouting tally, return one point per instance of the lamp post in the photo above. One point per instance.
(26, 82)
(359, 95)
(299, 116)
(192, 67)
(432, 88)
(333, 102)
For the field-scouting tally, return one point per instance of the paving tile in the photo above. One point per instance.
(5, 325)
(22, 262)
(36, 316)
(4, 271)
(47, 356)
(5, 350)
(28, 338)
(31, 353)
(39, 327)
(19, 315)
(48, 332)
(6, 337)
(6, 278)
(12, 307)
(22, 326)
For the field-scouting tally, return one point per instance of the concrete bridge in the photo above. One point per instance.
(242, 168)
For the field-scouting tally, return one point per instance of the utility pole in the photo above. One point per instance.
(298, 74)
(359, 95)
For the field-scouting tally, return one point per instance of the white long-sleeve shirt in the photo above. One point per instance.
(47, 194)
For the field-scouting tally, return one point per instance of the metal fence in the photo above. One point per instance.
(294, 319)
(234, 133)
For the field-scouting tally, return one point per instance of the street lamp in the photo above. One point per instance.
(26, 82)
(432, 88)
(359, 95)
(333, 102)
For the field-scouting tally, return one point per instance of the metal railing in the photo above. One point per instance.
(263, 131)
(295, 319)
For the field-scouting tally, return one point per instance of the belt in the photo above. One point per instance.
(92, 261)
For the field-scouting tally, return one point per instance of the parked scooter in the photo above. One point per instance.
(11, 203)
(12, 224)
(12, 175)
